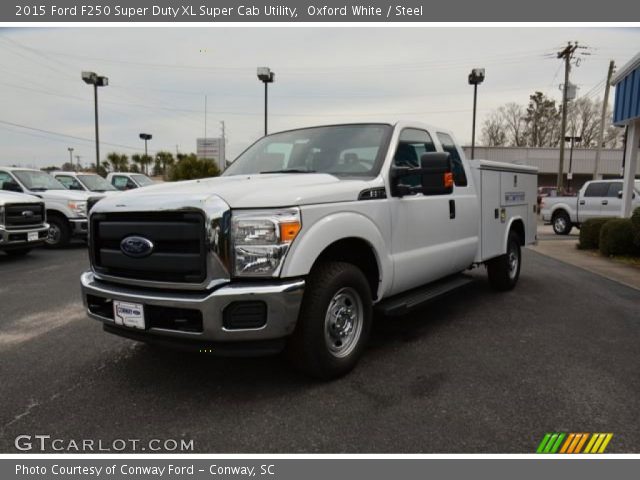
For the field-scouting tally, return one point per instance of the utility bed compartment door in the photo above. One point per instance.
(505, 195)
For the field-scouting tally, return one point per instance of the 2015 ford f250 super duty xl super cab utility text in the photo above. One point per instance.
(302, 237)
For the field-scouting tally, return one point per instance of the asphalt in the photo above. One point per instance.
(477, 371)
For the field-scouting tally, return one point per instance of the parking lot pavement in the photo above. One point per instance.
(477, 371)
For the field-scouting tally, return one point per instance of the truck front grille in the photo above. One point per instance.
(178, 238)
(23, 215)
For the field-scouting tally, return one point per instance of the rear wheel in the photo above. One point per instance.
(504, 270)
(334, 321)
(561, 223)
(59, 233)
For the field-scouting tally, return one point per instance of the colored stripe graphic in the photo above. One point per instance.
(572, 443)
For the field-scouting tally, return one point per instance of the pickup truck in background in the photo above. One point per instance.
(596, 199)
(128, 180)
(301, 238)
(85, 182)
(66, 209)
(22, 223)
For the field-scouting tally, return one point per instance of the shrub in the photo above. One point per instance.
(190, 167)
(635, 227)
(616, 238)
(590, 233)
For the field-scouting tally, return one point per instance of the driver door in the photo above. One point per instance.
(426, 241)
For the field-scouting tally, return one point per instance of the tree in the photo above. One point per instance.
(542, 119)
(494, 132)
(162, 161)
(138, 161)
(583, 120)
(118, 162)
(190, 167)
(513, 116)
(68, 167)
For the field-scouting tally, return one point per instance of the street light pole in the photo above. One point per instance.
(476, 77)
(146, 137)
(266, 76)
(70, 155)
(92, 78)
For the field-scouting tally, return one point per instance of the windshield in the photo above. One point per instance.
(95, 183)
(142, 180)
(338, 150)
(38, 181)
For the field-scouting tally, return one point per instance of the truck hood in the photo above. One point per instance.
(64, 195)
(247, 191)
(15, 197)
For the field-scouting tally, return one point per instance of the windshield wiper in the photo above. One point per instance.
(38, 189)
(290, 170)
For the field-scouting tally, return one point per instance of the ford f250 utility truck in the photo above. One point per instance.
(22, 223)
(66, 209)
(596, 199)
(301, 238)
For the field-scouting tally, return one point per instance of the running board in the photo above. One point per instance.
(405, 302)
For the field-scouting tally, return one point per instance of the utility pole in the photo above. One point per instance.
(223, 154)
(205, 117)
(605, 104)
(566, 54)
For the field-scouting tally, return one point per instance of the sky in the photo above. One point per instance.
(159, 78)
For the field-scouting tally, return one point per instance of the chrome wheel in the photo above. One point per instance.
(513, 259)
(343, 322)
(560, 224)
(54, 234)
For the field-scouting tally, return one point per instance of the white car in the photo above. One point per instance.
(302, 237)
(85, 182)
(129, 180)
(22, 222)
(66, 209)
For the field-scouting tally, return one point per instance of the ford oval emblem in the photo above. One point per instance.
(136, 247)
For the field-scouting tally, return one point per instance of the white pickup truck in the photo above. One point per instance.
(596, 199)
(66, 209)
(302, 237)
(22, 223)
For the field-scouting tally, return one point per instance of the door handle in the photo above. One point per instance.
(582, 202)
(605, 202)
(452, 209)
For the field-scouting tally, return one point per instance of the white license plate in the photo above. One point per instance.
(32, 236)
(128, 314)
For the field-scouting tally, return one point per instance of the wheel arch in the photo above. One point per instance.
(349, 237)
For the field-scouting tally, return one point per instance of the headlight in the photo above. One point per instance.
(260, 240)
(78, 208)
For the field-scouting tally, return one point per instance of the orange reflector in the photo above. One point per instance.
(448, 179)
(288, 231)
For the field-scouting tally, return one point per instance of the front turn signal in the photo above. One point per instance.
(448, 180)
(289, 231)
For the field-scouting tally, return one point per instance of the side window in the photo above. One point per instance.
(66, 180)
(599, 189)
(120, 182)
(449, 146)
(5, 178)
(614, 188)
(411, 145)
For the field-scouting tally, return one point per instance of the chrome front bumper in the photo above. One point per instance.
(8, 237)
(282, 300)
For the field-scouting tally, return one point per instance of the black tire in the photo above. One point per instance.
(328, 346)
(59, 232)
(561, 223)
(504, 271)
(18, 252)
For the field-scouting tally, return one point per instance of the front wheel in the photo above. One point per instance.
(504, 270)
(334, 321)
(59, 233)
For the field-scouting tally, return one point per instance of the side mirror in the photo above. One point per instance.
(620, 194)
(11, 186)
(435, 173)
